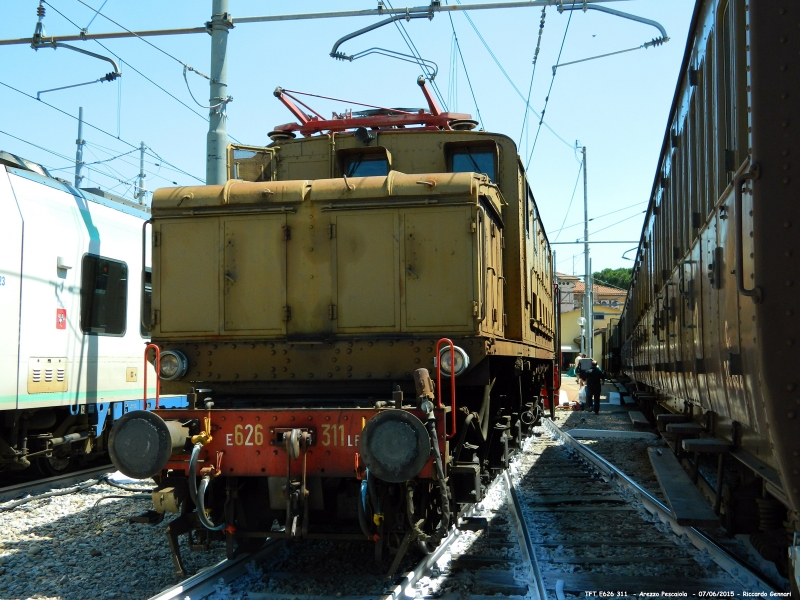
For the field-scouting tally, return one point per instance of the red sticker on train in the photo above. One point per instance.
(61, 318)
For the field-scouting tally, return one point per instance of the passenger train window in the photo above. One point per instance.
(104, 295)
(366, 165)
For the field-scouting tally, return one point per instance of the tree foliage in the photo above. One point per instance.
(620, 278)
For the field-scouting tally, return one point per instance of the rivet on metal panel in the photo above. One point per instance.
(387, 374)
(789, 312)
(786, 180)
(330, 374)
(369, 374)
(791, 414)
(255, 375)
(787, 224)
(789, 283)
(784, 123)
(790, 387)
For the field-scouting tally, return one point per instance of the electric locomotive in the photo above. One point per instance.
(362, 319)
(711, 317)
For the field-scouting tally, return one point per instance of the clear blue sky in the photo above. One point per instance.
(616, 106)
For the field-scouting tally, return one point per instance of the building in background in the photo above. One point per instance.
(608, 303)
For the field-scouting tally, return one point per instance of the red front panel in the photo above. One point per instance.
(249, 440)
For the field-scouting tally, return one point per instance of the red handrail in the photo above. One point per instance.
(157, 365)
(452, 383)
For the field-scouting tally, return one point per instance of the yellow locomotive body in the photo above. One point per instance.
(300, 306)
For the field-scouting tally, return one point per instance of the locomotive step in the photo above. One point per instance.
(664, 419)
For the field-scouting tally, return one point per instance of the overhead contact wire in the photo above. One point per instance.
(508, 77)
(550, 89)
(533, 72)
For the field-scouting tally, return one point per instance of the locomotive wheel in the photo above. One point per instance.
(427, 501)
(56, 464)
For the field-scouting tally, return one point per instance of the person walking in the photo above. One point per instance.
(578, 368)
(593, 378)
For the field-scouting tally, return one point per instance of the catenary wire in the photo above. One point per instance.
(508, 77)
(418, 57)
(574, 189)
(35, 146)
(599, 216)
(95, 127)
(466, 72)
(533, 72)
(550, 89)
(107, 49)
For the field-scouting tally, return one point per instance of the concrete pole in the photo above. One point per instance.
(79, 152)
(140, 192)
(217, 139)
(587, 272)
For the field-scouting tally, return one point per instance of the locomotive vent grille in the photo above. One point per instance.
(47, 374)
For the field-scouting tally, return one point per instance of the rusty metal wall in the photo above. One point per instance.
(691, 328)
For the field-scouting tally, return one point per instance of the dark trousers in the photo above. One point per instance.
(593, 398)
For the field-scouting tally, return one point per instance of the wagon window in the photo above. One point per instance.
(104, 295)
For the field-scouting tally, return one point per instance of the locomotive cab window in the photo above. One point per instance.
(364, 162)
(104, 295)
(472, 158)
(250, 163)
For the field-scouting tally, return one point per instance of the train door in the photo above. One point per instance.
(10, 288)
(729, 342)
(748, 341)
(692, 320)
(687, 309)
(712, 266)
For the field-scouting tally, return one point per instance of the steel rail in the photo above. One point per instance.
(398, 590)
(431, 9)
(12, 492)
(204, 582)
(729, 563)
(526, 545)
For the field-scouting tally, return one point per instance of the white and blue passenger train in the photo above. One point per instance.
(71, 332)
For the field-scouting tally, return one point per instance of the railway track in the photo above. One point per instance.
(561, 522)
(595, 529)
(46, 484)
(488, 553)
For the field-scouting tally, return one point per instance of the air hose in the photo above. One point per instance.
(444, 525)
(362, 509)
(198, 495)
(201, 509)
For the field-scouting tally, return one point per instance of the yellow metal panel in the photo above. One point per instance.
(47, 375)
(255, 274)
(186, 284)
(367, 272)
(438, 269)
